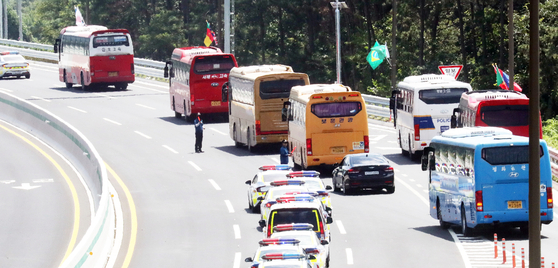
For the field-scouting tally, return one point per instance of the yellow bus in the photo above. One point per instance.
(326, 122)
(256, 95)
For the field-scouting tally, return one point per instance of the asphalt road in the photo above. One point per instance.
(184, 209)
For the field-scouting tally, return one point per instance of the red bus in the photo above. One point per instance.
(196, 76)
(94, 55)
(496, 108)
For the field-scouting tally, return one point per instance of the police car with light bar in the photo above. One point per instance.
(279, 188)
(13, 64)
(260, 183)
(275, 245)
(314, 183)
(303, 232)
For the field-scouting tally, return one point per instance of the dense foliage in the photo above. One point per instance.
(301, 33)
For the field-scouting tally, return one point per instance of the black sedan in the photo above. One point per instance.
(360, 171)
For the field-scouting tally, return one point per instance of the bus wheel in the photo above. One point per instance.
(403, 152)
(250, 148)
(412, 155)
(443, 224)
(121, 86)
(237, 144)
(82, 82)
(466, 231)
(176, 114)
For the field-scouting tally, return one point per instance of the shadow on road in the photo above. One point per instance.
(436, 231)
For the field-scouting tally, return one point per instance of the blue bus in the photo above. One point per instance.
(479, 177)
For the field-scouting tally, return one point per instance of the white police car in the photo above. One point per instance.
(274, 245)
(319, 248)
(279, 188)
(260, 183)
(315, 184)
(13, 64)
(285, 260)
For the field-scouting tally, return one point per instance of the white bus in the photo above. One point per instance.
(422, 107)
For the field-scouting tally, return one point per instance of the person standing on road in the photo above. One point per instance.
(198, 123)
(285, 153)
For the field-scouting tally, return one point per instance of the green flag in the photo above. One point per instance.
(377, 55)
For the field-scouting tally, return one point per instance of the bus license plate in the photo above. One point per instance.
(111, 74)
(215, 103)
(371, 172)
(515, 205)
(337, 150)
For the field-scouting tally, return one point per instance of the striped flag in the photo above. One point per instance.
(79, 18)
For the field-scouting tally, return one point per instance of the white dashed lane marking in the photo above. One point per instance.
(222, 133)
(39, 98)
(194, 165)
(170, 149)
(145, 106)
(143, 135)
(229, 206)
(349, 253)
(341, 227)
(112, 121)
(237, 257)
(236, 231)
(76, 109)
(215, 185)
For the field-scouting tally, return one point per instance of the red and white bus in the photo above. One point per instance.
(94, 55)
(496, 108)
(196, 76)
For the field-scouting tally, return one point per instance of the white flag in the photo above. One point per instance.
(79, 17)
(387, 51)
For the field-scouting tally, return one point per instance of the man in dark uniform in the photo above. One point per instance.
(198, 123)
(285, 153)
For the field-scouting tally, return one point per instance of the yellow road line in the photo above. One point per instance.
(133, 216)
(70, 185)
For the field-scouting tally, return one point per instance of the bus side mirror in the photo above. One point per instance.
(454, 122)
(225, 92)
(168, 65)
(56, 45)
(286, 114)
(427, 159)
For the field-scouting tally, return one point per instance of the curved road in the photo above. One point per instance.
(190, 210)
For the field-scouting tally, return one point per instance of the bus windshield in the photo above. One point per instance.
(336, 109)
(505, 115)
(213, 64)
(114, 40)
(441, 95)
(278, 88)
(507, 155)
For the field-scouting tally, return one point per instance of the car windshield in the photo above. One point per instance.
(14, 58)
(278, 191)
(274, 177)
(313, 185)
(297, 215)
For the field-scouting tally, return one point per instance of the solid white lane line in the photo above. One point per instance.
(420, 196)
(114, 122)
(349, 253)
(236, 231)
(143, 135)
(224, 134)
(7, 90)
(194, 165)
(237, 257)
(145, 106)
(76, 109)
(39, 98)
(170, 149)
(215, 185)
(341, 227)
(229, 206)
(460, 248)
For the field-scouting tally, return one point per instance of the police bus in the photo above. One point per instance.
(497, 108)
(422, 107)
(479, 177)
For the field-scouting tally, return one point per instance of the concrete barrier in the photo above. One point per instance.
(94, 249)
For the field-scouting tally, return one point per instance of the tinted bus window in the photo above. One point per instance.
(441, 95)
(278, 88)
(216, 64)
(116, 40)
(505, 115)
(507, 155)
(336, 109)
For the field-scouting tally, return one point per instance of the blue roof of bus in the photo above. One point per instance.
(471, 137)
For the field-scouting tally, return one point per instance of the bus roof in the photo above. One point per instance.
(87, 31)
(474, 98)
(187, 54)
(471, 137)
(303, 93)
(254, 71)
(430, 81)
